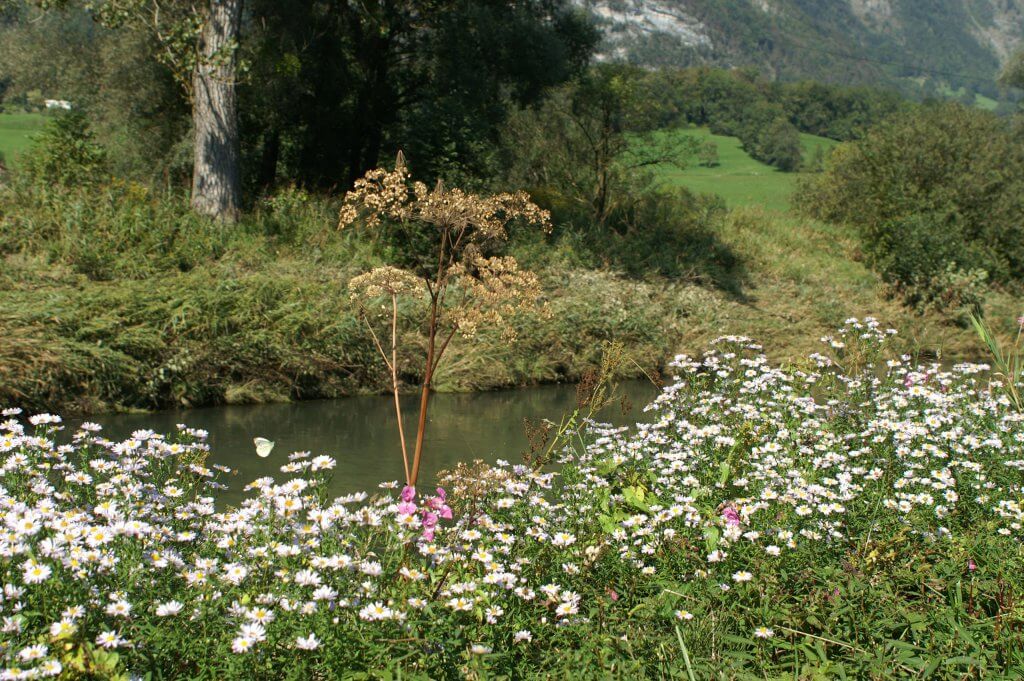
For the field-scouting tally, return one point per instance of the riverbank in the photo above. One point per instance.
(122, 302)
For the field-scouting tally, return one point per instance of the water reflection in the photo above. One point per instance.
(359, 431)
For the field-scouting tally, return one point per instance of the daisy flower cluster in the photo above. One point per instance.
(742, 470)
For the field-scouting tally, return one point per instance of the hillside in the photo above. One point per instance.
(913, 43)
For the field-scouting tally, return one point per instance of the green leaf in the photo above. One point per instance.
(724, 470)
(634, 496)
(712, 535)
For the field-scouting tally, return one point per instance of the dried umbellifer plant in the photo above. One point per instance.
(445, 240)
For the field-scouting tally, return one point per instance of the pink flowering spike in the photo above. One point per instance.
(446, 513)
(971, 565)
(613, 594)
(441, 493)
(731, 516)
(406, 508)
(428, 534)
(408, 493)
(429, 520)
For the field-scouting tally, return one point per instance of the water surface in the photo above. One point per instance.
(360, 431)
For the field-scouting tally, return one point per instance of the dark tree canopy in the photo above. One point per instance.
(336, 86)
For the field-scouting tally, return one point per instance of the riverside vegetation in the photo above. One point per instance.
(115, 296)
(858, 516)
(120, 299)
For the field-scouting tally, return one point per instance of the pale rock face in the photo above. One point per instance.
(874, 13)
(1004, 33)
(622, 18)
(996, 24)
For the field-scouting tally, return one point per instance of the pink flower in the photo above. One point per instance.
(971, 565)
(731, 516)
(432, 511)
(430, 520)
(438, 504)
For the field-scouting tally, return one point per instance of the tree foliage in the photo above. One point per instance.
(65, 153)
(765, 116)
(588, 154)
(135, 108)
(590, 147)
(337, 85)
(1013, 73)
(941, 186)
(325, 88)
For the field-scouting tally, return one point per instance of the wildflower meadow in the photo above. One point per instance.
(858, 515)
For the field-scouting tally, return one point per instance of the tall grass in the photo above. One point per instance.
(1008, 361)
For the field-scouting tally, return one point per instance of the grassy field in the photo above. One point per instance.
(16, 130)
(739, 179)
(980, 100)
(804, 277)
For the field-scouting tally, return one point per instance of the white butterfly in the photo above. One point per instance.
(263, 446)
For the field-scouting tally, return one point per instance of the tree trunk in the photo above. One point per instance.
(216, 178)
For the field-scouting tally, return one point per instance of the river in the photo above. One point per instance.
(360, 431)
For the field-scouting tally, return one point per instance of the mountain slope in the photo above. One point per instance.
(958, 43)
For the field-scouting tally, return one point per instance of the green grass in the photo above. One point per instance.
(16, 131)
(738, 178)
(980, 100)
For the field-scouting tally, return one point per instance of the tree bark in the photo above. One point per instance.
(216, 177)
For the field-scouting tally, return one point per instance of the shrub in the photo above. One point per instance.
(954, 293)
(708, 154)
(778, 145)
(114, 230)
(672, 234)
(941, 184)
(64, 153)
(292, 215)
(926, 262)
